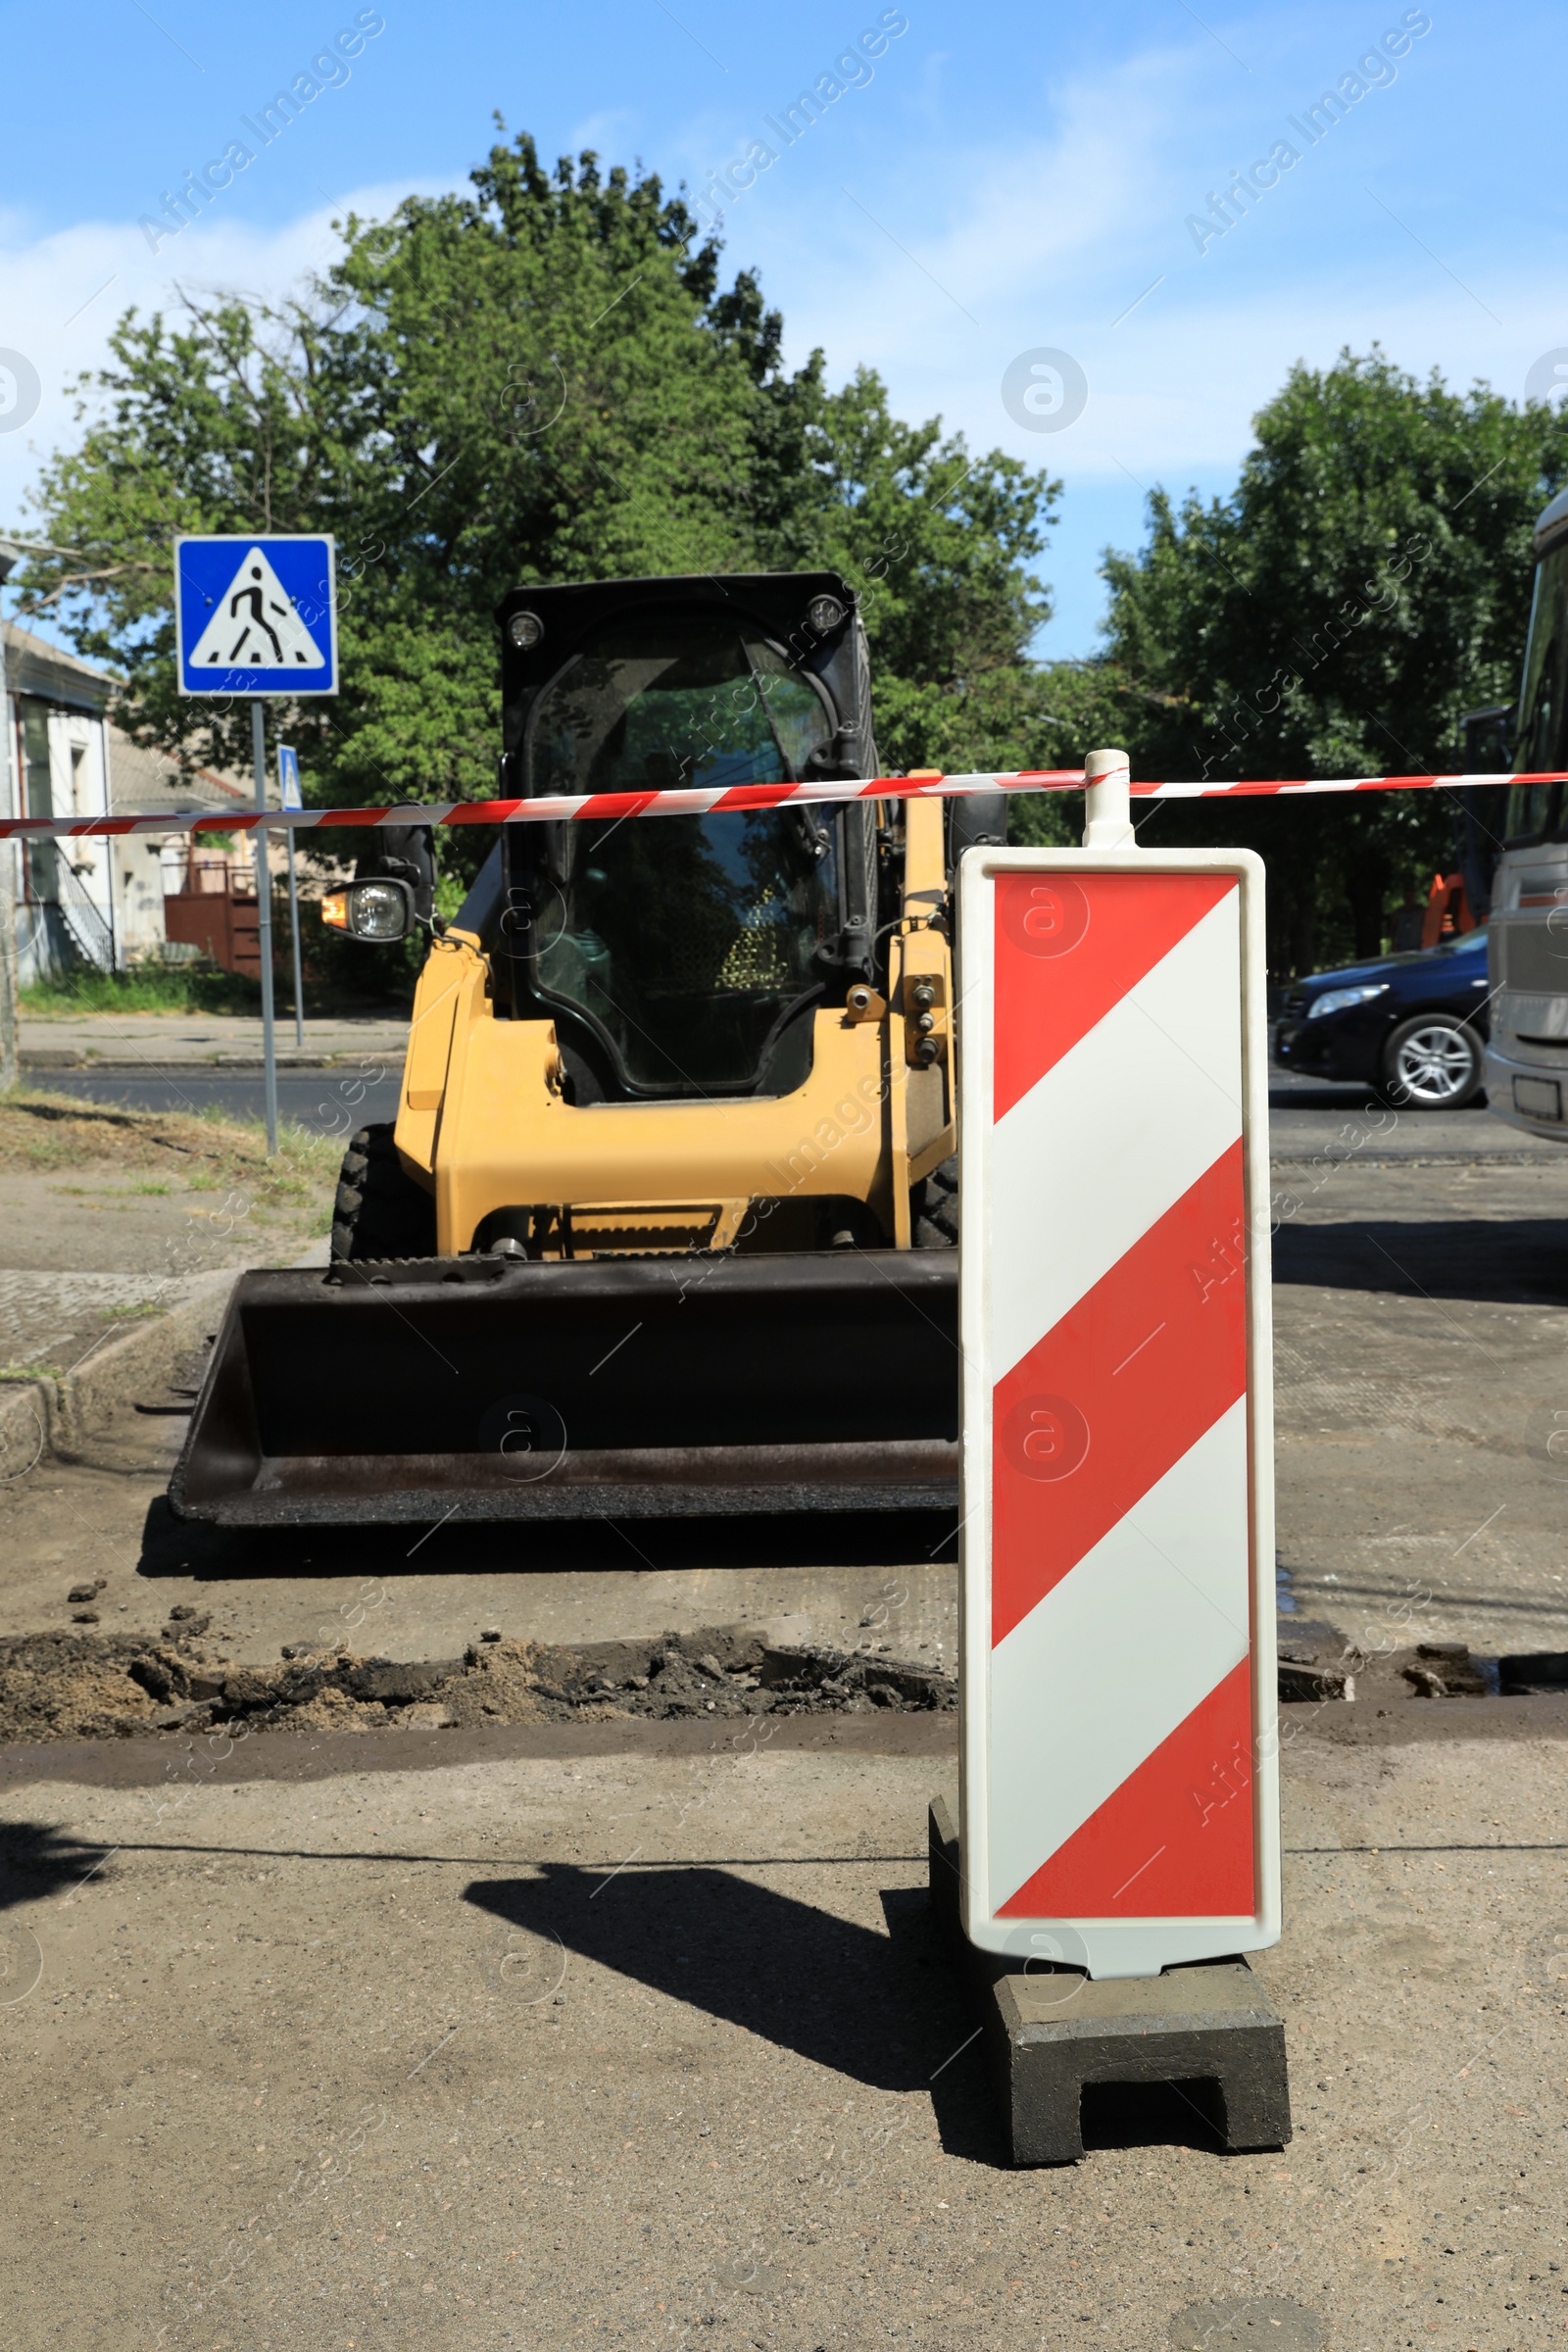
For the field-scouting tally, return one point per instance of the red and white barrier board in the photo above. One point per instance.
(1119, 1778)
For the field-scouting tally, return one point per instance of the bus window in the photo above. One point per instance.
(1543, 701)
(1531, 809)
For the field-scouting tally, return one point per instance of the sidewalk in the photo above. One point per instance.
(224, 1041)
(663, 2048)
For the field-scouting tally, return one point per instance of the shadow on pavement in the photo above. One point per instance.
(1342, 1096)
(37, 1859)
(1349, 1096)
(1512, 1260)
(174, 1547)
(1152, 2115)
(882, 2010)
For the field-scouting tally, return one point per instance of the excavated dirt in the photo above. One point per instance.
(1317, 1662)
(83, 1685)
(67, 1685)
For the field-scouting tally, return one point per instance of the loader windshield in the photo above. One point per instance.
(686, 939)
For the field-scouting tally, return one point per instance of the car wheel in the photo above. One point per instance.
(1432, 1064)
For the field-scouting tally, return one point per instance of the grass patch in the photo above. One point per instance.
(149, 988)
(173, 1150)
(186, 987)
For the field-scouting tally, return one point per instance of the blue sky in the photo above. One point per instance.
(1006, 180)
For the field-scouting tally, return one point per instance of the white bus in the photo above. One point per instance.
(1527, 932)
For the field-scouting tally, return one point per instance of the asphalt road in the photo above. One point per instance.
(264, 2003)
(1308, 1118)
(326, 1101)
(664, 2051)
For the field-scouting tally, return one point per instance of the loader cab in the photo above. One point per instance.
(682, 957)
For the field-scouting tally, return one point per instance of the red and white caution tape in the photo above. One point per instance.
(611, 807)
(1213, 791)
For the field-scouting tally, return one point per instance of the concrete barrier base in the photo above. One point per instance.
(1208, 2032)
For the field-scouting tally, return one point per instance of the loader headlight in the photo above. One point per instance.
(527, 630)
(373, 910)
(824, 613)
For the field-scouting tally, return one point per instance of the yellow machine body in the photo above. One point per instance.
(643, 1293)
(483, 1123)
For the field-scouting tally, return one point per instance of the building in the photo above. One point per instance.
(97, 902)
(158, 875)
(60, 754)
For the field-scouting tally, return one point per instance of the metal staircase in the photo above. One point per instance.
(92, 938)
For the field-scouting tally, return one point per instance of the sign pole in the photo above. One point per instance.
(253, 618)
(9, 862)
(288, 781)
(263, 921)
(294, 938)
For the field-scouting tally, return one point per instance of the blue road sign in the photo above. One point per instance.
(288, 777)
(257, 615)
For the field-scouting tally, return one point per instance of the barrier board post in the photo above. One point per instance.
(1119, 1810)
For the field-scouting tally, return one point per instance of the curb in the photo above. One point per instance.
(55, 1416)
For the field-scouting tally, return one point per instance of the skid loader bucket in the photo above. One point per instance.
(638, 1387)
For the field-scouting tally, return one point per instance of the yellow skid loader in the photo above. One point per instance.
(664, 1224)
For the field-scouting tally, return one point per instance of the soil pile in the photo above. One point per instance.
(61, 1686)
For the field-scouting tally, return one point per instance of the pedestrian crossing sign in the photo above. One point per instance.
(256, 614)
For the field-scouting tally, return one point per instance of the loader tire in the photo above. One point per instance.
(934, 1209)
(380, 1211)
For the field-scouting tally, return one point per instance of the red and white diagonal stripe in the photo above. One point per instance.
(1117, 1311)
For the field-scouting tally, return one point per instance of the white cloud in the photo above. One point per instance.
(1175, 389)
(609, 133)
(973, 253)
(64, 293)
(1076, 241)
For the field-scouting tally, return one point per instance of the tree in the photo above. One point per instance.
(1367, 581)
(540, 380)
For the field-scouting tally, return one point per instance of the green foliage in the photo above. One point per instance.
(341, 975)
(935, 543)
(540, 380)
(1367, 581)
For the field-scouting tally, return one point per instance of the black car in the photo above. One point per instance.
(1411, 1026)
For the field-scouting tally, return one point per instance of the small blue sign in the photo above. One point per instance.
(288, 777)
(257, 615)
